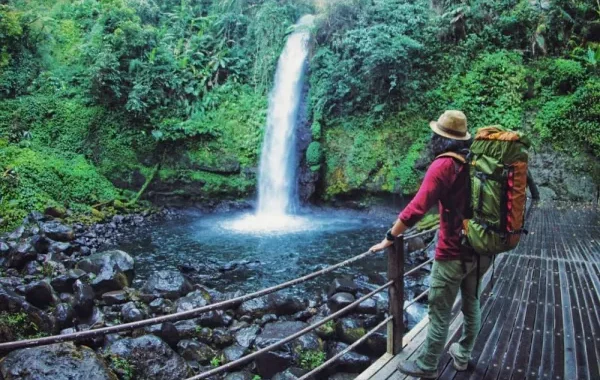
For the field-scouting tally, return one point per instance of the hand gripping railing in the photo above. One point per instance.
(395, 323)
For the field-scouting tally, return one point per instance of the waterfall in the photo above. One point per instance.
(277, 193)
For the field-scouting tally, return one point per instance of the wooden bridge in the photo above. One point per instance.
(541, 320)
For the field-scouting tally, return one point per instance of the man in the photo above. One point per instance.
(454, 268)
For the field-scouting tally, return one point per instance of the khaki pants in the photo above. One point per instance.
(447, 277)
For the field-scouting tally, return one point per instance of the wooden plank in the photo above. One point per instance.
(375, 367)
(395, 272)
(593, 334)
(577, 332)
(570, 363)
(559, 330)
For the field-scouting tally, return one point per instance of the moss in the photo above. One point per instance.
(355, 334)
(314, 154)
(311, 359)
(18, 326)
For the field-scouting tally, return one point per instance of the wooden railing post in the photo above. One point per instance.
(395, 272)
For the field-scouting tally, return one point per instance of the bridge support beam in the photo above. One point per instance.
(395, 272)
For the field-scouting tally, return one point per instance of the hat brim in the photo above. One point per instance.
(436, 129)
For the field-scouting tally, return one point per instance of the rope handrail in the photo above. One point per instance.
(189, 314)
(347, 349)
(293, 336)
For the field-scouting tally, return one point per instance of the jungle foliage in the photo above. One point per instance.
(105, 92)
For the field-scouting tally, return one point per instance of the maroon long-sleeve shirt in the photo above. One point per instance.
(445, 183)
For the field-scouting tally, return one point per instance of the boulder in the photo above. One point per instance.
(368, 306)
(166, 284)
(113, 270)
(16, 234)
(342, 285)
(21, 255)
(233, 353)
(40, 244)
(255, 308)
(285, 304)
(188, 329)
(40, 294)
(11, 302)
(152, 358)
(64, 283)
(56, 361)
(340, 300)
(169, 333)
(131, 313)
(57, 231)
(83, 299)
(273, 362)
(192, 350)
(64, 315)
(115, 297)
(349, 362)
(244, 375)
(222, 337)
(246, 336)
(191, 301)
(349, 330)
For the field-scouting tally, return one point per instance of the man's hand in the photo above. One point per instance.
(381, 246)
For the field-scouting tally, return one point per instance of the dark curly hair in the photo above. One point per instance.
(440, 144)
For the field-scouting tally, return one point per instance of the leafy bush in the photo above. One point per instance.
(313, 154)
(311, 359)
(33, 180)
(491, 91)
(563, 76)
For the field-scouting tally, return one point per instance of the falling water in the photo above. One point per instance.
(277, 193)
(277, 176)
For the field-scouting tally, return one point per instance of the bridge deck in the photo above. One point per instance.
(542, 319)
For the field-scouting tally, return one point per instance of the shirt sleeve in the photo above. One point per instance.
(429, 193)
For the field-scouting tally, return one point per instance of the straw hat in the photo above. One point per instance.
(452, 124)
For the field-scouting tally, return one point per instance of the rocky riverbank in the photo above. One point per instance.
(59, 279)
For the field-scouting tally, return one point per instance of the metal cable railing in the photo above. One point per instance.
(395, 285)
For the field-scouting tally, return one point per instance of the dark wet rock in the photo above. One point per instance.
(349, 330)
(63, 313)
(238, 325)
(325, 331)
(64, 283)
(267, 318)
(56, 361)
(191, 301)
(277, 331)
(222, 338)
(21, 255)
(166, 284)
(161, 306)
(152, 358)
(243, 375)
(288, 374)
(303, 315)
(340, 300)
(57, 231)
(4, 248)
(342, 285)
(94, 321)
(32, 268)
(187, 329)
(246, 336)
(376, 344)
(368, 306)
(273, 362)
(40, 244)
(233, 353)
(255, 308)
(61, 247)
(114, 298)
(349, 362)
(131, 313)
(113, 270)
(84, 299)
(56, 212)
(215, 318)
(40, 294)
(17, 234)
(169, 333)
(282, 304)
(11, 282)
(11, 302)
(196, 351)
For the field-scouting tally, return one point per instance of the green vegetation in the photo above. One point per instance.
(311, 359)
(108, 103)
(18, 326)
(122, 367)
(217, 361)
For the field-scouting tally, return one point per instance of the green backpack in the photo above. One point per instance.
(498, 180)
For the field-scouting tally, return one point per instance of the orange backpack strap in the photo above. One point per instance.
(457, 156)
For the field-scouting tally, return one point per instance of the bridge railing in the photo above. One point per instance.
(394, 320)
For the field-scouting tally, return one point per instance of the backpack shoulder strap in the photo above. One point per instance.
(457, 156)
